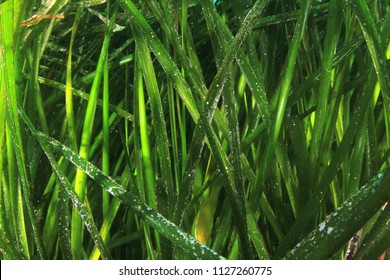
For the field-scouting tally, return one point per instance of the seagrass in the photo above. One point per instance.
(194, 129)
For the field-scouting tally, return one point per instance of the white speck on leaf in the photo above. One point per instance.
(322, 226)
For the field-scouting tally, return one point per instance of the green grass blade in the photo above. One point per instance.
(69, 87)
(8, 13)
(106, 135)
(225, 36)
(203, 127)
(145, 180)
(145, 145)
(333, 233)
(322, 187)
(85, 216)
(377, 240)
(64, 225)
(162, 55)
(158, 116)
(374, 45)
(153, 218)
(254, 121)
(283, 90)
(86, 136)
(83, 95)
(322, 108)
(8, 250)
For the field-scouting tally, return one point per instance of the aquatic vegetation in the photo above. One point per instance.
(194, 129)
